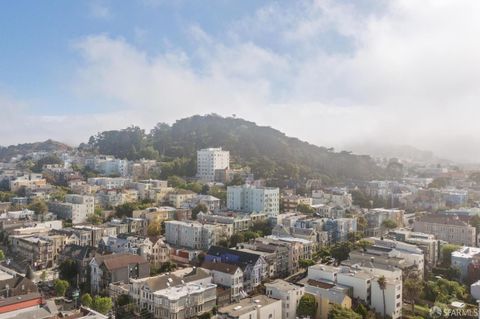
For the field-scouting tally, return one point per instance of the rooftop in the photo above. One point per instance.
(246, 305)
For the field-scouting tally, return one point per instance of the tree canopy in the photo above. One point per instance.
(307, 307)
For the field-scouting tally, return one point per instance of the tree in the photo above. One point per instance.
(249, 235)
(38, 206)
(199, 208)
(125, 210)
(447, 251)
(340, 251)
(389, 224)
(305, 209)
(305, 263)
(94, 219)
(68, 271)
(236, 239)
(444, 291)
(382, 284)
(307, 307)
(363, 244)
(2, 255)
(206, 315)
(102, 304)
(237, 180)
(43, 276)
(154, 229)
(61, 287)
(412, 289)
(338, 312)
(86, 300)
(167, 267)
(262, 227)
(475, 222)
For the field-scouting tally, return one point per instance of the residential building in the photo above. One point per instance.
(194, 235)
(463, 258)
(30, 181)
(338, 229)
(75, 208)
(107, 269)
(448, 228)
(377, 216)
(290, 202)
(288, 293)
(227, 276)
(39, 251)
(426, 242)
(185, 293)
(257, 307)
(81, 256)
(180, 196)
(254, 266)
(209, 160)
(160, 253)
(249, 199)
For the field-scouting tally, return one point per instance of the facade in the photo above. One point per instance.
(30, 181)
(209, 160)
(40, 251)
(180, 196)
(463, 258)
(254, 199)
(257, 307)
(448, 228)
(338, 229)
(227, 276)
(115, 268)
(75, 208)
(192, 234)
(288, 293)
(182, 294)
(426, 242)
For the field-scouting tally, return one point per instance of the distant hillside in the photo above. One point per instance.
(269, 152)
(6, 153)
(404, 152)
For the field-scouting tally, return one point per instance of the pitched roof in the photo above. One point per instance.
(116, 261)
(244, 258)
(221, 267)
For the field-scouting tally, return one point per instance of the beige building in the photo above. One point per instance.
(448, 228)
(180, 196)
(288, 293)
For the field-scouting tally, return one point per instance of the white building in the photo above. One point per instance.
(209, 160)
(288, 293)
(226, 275)
(475, 290)
(363, 279)
(75, 208)
(254, 199)
(258, 307)
(192, 234)
(462, 258)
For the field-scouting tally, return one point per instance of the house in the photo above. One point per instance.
(254, 266)
(288, 293)
(180, 196)
(107, 269)
(257, 307)
(227, 276)
(249, 199)
(81, 256)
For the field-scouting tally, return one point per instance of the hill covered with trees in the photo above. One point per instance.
(49, 146)
(267, 151)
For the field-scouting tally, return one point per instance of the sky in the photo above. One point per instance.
(335, 73)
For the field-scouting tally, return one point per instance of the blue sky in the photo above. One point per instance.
(333, 72)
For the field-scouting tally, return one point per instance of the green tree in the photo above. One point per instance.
(154, 229)
(38, 206)
(86, 300)
(444, 291)
(68, 270)
(43, 276)
(102, 304)
(447, 251)
(307, 307)
(206, 315)
(338, 312)
(305, 209)
(236, 239)
(2, 255)
(94, 219)
(125, 210)
(249, 235)
(412, 289)
(340, 251)
(199, 208)
(305, 263)
(389, 224)
(61, 287)
(262, 227)
(382, 284)
(167, 267)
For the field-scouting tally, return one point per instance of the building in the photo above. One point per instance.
(257, 307)
(448, 228)
(180, 196)
(254, 266)
(75, 208)
(209, 160)
(160, 253)
(426, 242)
(186, 293)
(249, 199)
(115, 268)
(194, 235)
(338, 229)
(227, 276)
(291, 202)
(463, 258)
(81, 256)
(30, 181)
(39, 251)
(288, 293)
(377, 216)
(361, 281)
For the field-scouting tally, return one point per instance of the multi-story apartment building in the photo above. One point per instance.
(248, 198)
(182, 294)
(75, 208)
(462, 258)
(448, 228)
(288, 293)
(193, 234)
(108, 165)
(180, 196)
(426, 242)
(338, 229)
(239, 221)
(290, 202)
(227, 276)
(209, 160)
(258, 307)
(39, 251)
(362, 279)
(377, 216)
(30, 181)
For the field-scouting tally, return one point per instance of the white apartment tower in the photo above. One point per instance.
(209, 160)
(254, 199)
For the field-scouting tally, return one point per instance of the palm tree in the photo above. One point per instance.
(382, 284)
